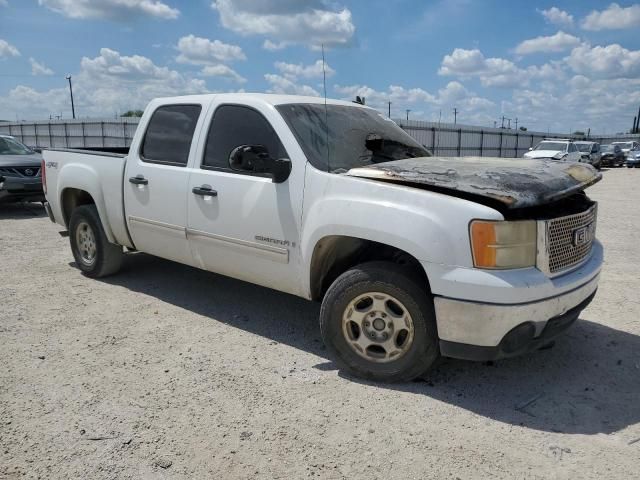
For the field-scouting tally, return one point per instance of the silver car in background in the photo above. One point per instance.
(19, 172)
(590, 153)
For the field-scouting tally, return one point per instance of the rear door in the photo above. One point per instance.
(242, 224)
(155, 183)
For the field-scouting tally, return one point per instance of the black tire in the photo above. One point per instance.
(398, 282)
(107, 258)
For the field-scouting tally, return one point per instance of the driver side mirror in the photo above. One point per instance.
(530, 148)
(256, 159)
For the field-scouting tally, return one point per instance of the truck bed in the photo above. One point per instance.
(96, 171)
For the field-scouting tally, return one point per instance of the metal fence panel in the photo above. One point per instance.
(444, 139)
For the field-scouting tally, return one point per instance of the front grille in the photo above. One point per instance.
(20, 171)
(569, 239)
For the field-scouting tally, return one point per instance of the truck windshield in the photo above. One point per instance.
(9, 146)
(555, 146)
(584, 147)
(356, 136)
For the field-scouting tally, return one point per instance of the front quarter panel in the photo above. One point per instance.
(432, 227)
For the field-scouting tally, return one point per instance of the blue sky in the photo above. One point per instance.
(556, 65)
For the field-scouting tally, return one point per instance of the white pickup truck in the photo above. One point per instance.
(412, 256)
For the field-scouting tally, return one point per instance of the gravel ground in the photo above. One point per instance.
(164, 371)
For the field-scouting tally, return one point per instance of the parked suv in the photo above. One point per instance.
(590, 153)
(628, 147)
(555, 149)
(19, 172)
(612, 155)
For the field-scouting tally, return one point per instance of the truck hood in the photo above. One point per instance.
(20, 160)
(505, 183)
(543, 153)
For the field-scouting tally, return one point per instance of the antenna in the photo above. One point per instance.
(326, 115)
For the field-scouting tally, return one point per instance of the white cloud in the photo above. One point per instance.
(202, 51)
(280, 84)
(8, 50)
(422, 103)
(288, 22)
(558, 17)
(614, 17)
(492, 72)
(272, 46)
(612, 61)
(104, 85)
(294, 71)
(463, 62)
(39, 68)
(112, 9)
(222, 71)
(595, 104)
(554, 43)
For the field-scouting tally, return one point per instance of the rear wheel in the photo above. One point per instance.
(93, 253)
(379, 323)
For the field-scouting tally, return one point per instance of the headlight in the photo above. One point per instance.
(560, 155)
(502, 245)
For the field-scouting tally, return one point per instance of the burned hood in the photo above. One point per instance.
(510, 183)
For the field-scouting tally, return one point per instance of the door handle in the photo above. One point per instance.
(204, 191)
(139, 180)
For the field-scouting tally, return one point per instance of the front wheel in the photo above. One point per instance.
(379, 323)
(93, 253)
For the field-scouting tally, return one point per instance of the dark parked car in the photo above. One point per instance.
(612, 156)
(20, 172)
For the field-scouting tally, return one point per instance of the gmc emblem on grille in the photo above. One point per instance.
(583, 235)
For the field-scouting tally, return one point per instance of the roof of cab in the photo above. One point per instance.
(269, 98)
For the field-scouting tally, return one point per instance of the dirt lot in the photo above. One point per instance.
(164, 371)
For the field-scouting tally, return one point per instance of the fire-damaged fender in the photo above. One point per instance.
(429, 226)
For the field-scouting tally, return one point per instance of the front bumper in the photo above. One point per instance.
(533, 331)
(477, 310)
(14, 189)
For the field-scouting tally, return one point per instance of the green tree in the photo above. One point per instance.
(132, 113)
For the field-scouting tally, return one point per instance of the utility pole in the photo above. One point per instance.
(495, 124)
(389, 109)
(408, 110)
(455, 115)
(503, 119)
(73, 108)
(516, 123)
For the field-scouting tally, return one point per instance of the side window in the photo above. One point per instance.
(169, 134)
(572, 147)
(233, 126)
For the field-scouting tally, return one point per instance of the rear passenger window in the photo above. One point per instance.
(233, 126)
(169, 134)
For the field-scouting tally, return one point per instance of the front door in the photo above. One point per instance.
(155, 183)
(240, 223)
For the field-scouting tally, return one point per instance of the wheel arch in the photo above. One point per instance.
(335, 254)
(72, 197)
